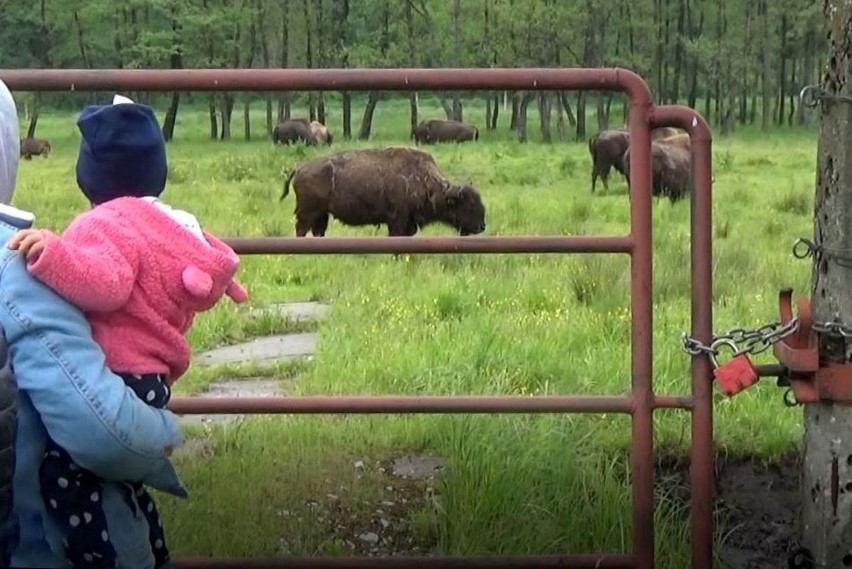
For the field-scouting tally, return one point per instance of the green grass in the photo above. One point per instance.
(466, 324)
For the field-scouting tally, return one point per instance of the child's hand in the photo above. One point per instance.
(29, 242)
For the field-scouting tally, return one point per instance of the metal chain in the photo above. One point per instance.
(760, 339)
(813, 95)
(754, 341)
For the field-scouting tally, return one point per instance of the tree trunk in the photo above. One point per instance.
(247, 118)
(580, 133)
(367, 121)
(171, 117)
(681, 35)
(521, 129)
(764, 64)
(284, 102)
(34, 118)
(566, 104)
(227, 106)
(176, 60)
(412, 105)
(214, 129)
(544, 116)
(826, 522)
(347, 115)
(782, 71)
(561, 131)
(495, 113)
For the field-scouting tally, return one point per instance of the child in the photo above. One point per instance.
(139, 270)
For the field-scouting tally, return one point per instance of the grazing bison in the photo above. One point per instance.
(33, 147)
(664, 132)
(400, 187)
(681, 140)
(291, 130)
(671, 170)
(438, 130)
(321, 133)
(607, 149)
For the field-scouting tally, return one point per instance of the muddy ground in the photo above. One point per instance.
(756, 509)
(756, 504)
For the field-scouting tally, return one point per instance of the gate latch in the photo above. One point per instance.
(810, 380)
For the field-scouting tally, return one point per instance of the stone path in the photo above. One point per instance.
(268, 349)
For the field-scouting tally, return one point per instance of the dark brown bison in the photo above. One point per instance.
(672, 170)
(437, 130)
(33, 147)
(607, 149)
(321, 133)
(397, 186)
(292, 130)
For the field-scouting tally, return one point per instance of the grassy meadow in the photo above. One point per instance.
(464, 324)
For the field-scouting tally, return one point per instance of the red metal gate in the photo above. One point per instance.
(642, 401)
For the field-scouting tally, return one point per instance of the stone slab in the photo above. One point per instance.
(269, 349)
(296, 311)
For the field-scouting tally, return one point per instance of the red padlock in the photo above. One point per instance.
(736, 375)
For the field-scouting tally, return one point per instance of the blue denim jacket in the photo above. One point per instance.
(66, 389)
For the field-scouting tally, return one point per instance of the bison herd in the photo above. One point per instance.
(403, 188)
(670, 160)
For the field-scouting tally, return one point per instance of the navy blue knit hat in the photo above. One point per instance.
(122, 152)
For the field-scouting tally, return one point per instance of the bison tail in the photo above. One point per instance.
(475, 133)
(287, 185)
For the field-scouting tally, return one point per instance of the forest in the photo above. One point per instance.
(739, 62)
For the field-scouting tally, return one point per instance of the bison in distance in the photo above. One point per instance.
(294, 130)
(397, 186)
(33, 147)
(608, 147)
(433, 131)
(671, 166)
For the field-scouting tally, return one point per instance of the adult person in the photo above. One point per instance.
(64, 388)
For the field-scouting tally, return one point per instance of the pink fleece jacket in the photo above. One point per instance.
(140, 278)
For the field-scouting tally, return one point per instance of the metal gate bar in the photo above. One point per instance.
(641, 402)
(368, 404)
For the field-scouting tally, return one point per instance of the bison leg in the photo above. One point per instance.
(404, 227)
(302, 227)
(320, 225)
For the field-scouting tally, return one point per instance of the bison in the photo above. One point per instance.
(438, 130)
(400, 187)
(33, 147)
(682, 140)
(671, 167)
(664, 132)
(607, 149)
(321, 133)
(291, 130)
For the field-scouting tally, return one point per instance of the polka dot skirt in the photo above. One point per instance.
(73, 495)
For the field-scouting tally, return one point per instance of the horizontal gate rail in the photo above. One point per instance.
(419, 404)
(612, 561)
(639, 404)
(432, 245)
